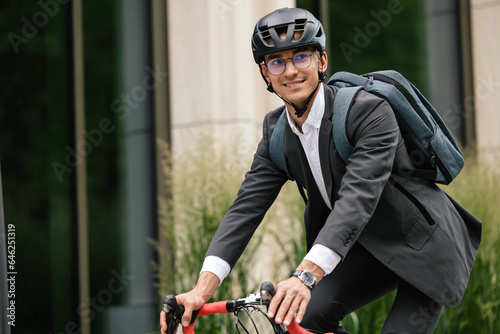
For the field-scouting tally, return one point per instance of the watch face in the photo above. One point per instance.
(308, 278)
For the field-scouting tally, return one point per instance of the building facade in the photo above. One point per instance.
(97, 94)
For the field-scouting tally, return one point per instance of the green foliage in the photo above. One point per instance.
(476, 188)
(203, 192)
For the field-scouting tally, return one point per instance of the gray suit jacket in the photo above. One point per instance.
(409, 224)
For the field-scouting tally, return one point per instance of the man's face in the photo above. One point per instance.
(295, 84)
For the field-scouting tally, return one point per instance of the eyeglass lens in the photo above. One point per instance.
(277, 66)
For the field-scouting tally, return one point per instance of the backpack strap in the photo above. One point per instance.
(277, 150)
(276, 145)
(341, 105)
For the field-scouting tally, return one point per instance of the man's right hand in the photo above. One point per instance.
(191, 302)
(194, 299)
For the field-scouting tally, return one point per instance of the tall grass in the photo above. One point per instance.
(477, 188)
(204, 185)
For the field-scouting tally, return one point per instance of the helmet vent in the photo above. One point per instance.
(281, 31)
(266, 36)
(300, 25)
(265, 32)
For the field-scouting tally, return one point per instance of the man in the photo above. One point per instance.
(369, 231)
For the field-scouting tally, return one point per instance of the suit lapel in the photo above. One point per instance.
(326, 148)
(292, 152)
(325, 143)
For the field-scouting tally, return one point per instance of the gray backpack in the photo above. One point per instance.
(431, 146)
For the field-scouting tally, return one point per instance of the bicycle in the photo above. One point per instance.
(257, 302)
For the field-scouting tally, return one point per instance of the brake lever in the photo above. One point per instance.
(174, 313)
(267, 292)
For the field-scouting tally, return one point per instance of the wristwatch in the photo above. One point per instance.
(306, 277)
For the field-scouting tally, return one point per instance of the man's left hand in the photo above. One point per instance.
(291, 297)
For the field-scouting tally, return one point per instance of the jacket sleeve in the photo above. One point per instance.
(257, 193)
(375, 136)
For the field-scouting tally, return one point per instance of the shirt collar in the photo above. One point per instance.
(315, 115)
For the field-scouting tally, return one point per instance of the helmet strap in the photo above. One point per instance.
(269, 85)
(300, 113)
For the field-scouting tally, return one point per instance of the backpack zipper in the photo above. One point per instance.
(403, 91)
(413, 103)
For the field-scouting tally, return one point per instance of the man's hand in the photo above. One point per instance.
(191, 301)
(292, 296)
(194, 299)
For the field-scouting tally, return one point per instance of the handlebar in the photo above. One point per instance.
(175, 311)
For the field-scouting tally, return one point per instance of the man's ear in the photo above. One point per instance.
(323, 62)
(322, 66)
(264, 73)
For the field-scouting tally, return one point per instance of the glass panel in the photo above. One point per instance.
(104, 165)
(376, 36)
(37, 166)
(38, 161)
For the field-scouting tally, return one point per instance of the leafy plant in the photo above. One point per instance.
(206, 183)
(476, 188)
(203, 186)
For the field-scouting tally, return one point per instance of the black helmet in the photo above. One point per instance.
(289, 20)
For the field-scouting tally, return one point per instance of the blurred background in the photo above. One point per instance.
(107, 106)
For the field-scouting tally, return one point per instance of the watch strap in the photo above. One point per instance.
(298, 274)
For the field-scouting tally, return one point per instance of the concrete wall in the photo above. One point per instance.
(485, 21)
(216, 91)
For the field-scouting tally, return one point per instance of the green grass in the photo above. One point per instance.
(477, 188)
(204, 186)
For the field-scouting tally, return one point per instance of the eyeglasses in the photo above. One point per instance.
(301, 60)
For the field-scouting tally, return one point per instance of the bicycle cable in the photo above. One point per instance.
(248, 310)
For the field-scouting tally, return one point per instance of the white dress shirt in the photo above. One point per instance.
(320, 255)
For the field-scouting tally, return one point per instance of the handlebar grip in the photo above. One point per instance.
(212, 308)
(188, 330)
(174, 312)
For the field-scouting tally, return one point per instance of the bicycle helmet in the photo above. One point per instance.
(266, 36)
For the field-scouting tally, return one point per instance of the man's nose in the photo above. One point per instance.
(290, 67)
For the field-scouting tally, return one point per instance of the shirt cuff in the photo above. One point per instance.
(216, 266)
(323, 257)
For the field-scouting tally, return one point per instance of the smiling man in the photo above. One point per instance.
(297, 85)
(369, 231)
